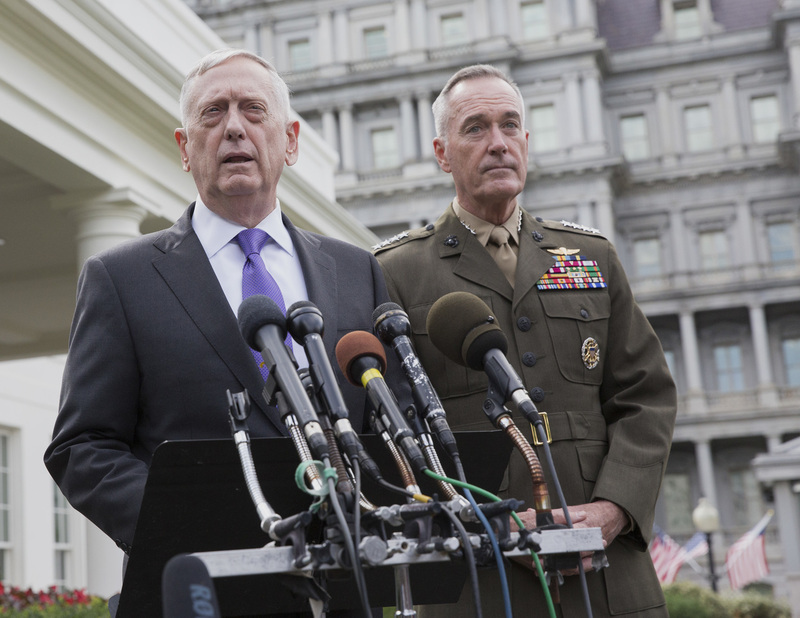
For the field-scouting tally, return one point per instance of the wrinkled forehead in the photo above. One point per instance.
(237, 78)
(484, 96)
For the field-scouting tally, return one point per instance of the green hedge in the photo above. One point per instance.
(50, 603)
(687, 600)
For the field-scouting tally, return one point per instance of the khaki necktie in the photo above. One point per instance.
(500, 249)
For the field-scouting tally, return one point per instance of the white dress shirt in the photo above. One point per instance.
(218, 237)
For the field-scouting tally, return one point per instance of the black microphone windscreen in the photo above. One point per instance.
(354, 345)
(258, 311)
(381, 309)
(187, 589)
(460, 320)
(304, 318)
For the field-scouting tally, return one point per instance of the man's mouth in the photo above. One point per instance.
(237, 159)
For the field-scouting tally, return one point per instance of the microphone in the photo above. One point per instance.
(306, 326)
(187, 589)
(263, 327)
(394, 328)
(463, 328)
(362, 360)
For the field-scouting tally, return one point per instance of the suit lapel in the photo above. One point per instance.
(188, 273)
(319, 271)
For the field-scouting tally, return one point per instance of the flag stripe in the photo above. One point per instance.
(746, 560)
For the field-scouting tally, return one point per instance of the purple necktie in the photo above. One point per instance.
(257, 280)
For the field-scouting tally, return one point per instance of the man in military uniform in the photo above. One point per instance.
(582, 346)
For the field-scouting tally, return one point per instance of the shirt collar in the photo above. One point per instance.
(482, 229)
(215, 232)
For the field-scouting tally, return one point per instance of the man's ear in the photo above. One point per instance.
(440, 153)
(292, 142)
(180, 137)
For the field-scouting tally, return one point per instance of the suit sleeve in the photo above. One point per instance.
(90, 456)
(638, 400)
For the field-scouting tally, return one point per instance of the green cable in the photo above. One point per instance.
(486, 494)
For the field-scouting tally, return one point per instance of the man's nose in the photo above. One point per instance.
(234, 127)
(497, 141)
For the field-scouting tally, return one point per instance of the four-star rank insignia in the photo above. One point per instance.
(571, 272)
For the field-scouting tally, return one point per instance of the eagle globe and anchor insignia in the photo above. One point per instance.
(590, 352)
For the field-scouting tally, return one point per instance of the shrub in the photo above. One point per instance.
(687, 600)
(754, 605)
(50, 603)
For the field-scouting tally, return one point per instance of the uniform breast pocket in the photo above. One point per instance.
(449, 378)
(578, 325)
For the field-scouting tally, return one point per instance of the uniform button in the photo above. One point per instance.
(584, 313)
(429, 227)
(537, 394)
(539, 219)
(524, 324)
(529, 359)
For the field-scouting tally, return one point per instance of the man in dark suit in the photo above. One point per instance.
(583, 348)
(155, 344)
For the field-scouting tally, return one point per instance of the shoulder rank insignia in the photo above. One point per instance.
(571, 272)
(389, 241)
(578, 226)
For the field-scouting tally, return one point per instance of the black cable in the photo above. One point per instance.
(540, 430)
(476, 593)
(469, 556)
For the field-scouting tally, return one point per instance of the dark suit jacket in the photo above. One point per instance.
(612, 423)
(153, 348)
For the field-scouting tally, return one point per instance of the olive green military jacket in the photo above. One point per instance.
(588, 357)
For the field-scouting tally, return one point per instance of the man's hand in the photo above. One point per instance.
(607, 516)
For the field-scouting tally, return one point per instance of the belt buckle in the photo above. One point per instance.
(536, 440)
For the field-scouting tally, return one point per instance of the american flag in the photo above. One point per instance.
(668, 556)
(746, 559)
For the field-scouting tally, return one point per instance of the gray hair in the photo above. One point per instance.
(441, 106)
(277, 86)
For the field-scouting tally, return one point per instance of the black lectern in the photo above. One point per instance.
(196, 500)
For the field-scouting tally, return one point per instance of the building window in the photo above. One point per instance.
(384, 148)
(746, 496)
(544, 128)
(300, 58)
(728, 363)
(687, 21)
(780, 240)
(677, 500)
(635, 139)
(63, 547)
(714, 250)
(765, 118)
(699, 129)
(535, 23)
(453, 29)
(375, 43)
(5, 510)
(647, 257)
(791, 360)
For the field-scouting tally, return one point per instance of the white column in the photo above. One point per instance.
(794, 67)
(677, 239)
(585, 16)
(329, 129)
(265, 41)
(593, 104)
(483, 20)
(732, 129)
(348, 139)
(419, 33)
(767, 392)
(402, 35)
(604, 219)
(341, 36)
(563, 17)
(103, 222)
(251, 41)
(691, 360)
(666, 125)
(705, 471)
(325, 53)
(409, 137)
(574, 109)
(426, 129)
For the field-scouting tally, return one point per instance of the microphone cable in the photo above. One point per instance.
(467, 486)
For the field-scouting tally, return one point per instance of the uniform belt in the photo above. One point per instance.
(577, 426)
